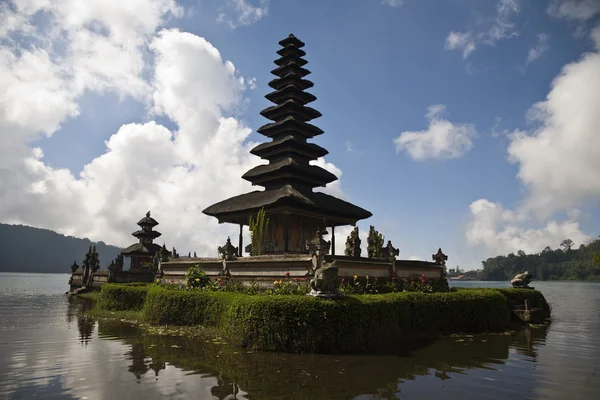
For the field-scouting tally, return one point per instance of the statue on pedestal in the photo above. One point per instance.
(522, 280)
(318, 248)
(228, 252)
(440, 258)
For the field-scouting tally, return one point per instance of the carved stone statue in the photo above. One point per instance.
(389, 252)
(522, 280)
(318, 248)
(374, 243)
(228, 252)
(325, 282)
(353, 244)
(440, 258)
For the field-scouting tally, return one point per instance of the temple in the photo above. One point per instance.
(294, 209)
(142, 253)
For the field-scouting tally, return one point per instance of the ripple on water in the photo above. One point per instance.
(48, 349)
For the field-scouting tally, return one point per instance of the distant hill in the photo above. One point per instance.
(27, 249)
(567, 263)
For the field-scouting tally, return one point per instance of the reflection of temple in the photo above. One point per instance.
(137, 355)
(293, 209)
(142, 253)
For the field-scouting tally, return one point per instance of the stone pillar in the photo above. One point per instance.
(333, 240)
(241, 241)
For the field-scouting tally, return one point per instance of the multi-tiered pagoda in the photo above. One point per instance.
(142, 253)
(294, 210)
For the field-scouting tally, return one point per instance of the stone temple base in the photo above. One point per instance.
(266, 269)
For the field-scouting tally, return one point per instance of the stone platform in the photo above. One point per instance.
(266, 269)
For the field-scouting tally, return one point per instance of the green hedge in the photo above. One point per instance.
(121, 297)
(307, 324)
(293, 323)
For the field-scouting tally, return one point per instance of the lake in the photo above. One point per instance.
(49, 350)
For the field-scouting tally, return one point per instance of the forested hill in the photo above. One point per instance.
(27, 249)
(565, 263)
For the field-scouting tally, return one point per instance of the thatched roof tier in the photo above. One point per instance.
(289, 144)
(291, 79)
(336, 211)
(289, 168)
(290, 108)
(290, 67)
(291, 41)
(146, 234)
(289, 125)
(290, 92)
(140, 249)
(147, 221)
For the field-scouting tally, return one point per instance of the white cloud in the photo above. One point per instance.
(501, 231)
(540, 48)
(557, 161)
(558, 164)
(442, 139)
(461, 41)
(348, 145)
(500, 27)
(578, 10)
(242, 13)
(392, 3)
(146, 166)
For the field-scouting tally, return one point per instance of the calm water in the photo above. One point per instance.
(49, 350)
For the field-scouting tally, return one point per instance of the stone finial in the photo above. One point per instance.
(389, 252)
(439, 258)
(148, 214)
(228, 251)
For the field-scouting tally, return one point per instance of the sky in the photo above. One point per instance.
(468, 125)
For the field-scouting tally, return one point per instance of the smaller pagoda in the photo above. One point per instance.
(142, 253)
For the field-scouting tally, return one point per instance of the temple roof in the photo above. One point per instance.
(290, 108)
(289, 124)
(332, 207)
(147, 220)
(304, 172)
(141, 249)
(289, 143)
(289, 177)
(146, 234)
(291, 78)
(290, 92)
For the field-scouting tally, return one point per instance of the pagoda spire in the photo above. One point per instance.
(146, 235)
(289, 154)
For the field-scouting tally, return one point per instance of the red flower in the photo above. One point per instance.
(172, 281)
(287, 274)
(343, 280)
(296, 279)
(393, 278)
(221, 283)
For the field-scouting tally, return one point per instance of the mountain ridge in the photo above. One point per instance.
(28, 249)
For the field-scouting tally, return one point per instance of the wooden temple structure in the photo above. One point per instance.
(294, 209)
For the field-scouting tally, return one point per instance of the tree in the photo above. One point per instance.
(258, 228)
(597, 259)
(567, 244)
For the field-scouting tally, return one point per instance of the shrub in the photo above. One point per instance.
(196, 278)
(121, 297)
(308, 324)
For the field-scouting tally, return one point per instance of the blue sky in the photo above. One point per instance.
(378, 68)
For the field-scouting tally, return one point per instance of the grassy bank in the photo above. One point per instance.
(295, 323)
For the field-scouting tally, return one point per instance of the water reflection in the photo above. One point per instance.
(49, 349)
(269, 375)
